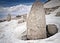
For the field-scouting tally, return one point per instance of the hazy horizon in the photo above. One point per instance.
(15, 7)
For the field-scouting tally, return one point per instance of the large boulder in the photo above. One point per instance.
(36, 24)
(8, 17)
(51, 29)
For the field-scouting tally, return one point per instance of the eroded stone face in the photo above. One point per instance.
(8, 17)
(36, 25)
(52, 29)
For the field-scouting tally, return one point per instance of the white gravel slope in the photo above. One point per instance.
(9, 31)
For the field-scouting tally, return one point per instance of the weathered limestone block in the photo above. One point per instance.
(36, 24)
(52, 29)
(8, 17)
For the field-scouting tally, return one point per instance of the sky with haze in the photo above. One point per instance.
(15, 7)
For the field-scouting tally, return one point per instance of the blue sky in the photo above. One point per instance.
(6, 3)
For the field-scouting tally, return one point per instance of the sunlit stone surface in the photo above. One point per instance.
(36, 25)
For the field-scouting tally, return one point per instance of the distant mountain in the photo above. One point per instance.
(15, 10)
